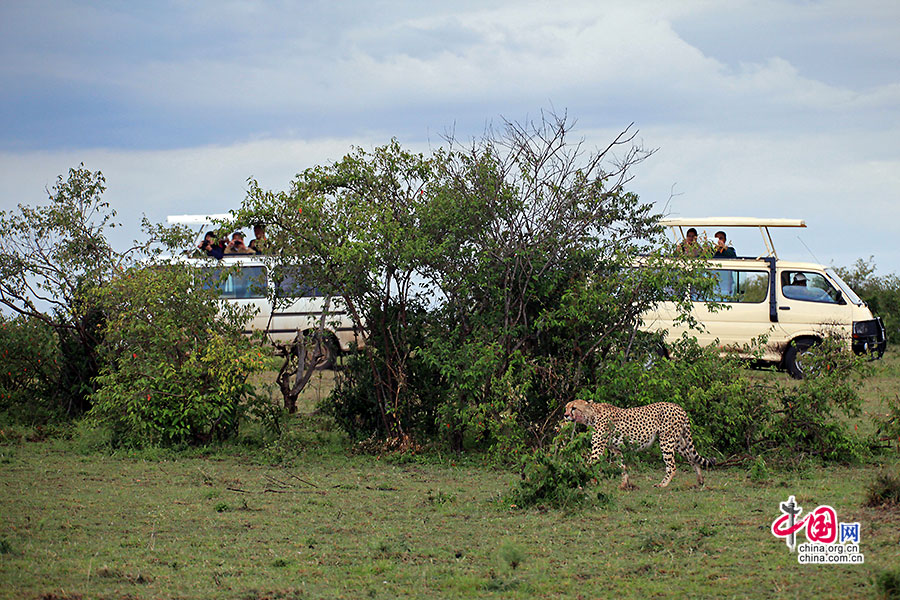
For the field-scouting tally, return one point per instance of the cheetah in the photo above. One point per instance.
(639, 427)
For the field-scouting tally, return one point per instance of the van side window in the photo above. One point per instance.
(247, 282)
(733, 285)
(808, 287)
(290, 284)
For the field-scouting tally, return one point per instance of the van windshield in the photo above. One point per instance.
(848, 292)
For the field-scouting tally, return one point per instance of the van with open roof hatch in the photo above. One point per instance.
(252, 281)
(793, 304)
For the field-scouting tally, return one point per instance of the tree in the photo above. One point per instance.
(350, 227)
(534, 244)
(488, 280)
(51, 255)
(139, 344)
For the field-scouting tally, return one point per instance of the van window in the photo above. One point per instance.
(289, 282)
(246, 282)
(808, 287)
(733, 285)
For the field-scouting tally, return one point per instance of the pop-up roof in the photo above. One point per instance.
(680, 224)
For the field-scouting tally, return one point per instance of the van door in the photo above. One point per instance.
(744, 290)
(808, 304)
(243, 286)
(299, 306)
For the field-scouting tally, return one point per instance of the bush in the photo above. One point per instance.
(807, 417)
(29, 371)
(887, 585)
(173, 373)
(557, 476)
(888, 426)
(884, 491)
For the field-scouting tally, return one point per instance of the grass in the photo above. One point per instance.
(327, 523)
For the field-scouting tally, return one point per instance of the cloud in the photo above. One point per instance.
(772, 109)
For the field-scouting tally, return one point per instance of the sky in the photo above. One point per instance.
(781, 109)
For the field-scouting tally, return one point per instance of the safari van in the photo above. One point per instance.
(246, 281)
(794, 304)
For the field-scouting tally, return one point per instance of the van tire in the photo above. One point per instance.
(329, 358)
(793, 358)
(329, 351)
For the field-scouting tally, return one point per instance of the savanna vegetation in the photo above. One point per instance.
(146, 454)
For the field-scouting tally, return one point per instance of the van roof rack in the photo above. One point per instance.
(720, 222)
(205, 220)
(732, 222)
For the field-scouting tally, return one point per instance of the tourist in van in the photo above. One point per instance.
(723, 250)
(211, 247)
(259, 242)
(236, 245)
(689, 245)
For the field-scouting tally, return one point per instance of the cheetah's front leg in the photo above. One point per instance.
(598, 444)
(626, 484)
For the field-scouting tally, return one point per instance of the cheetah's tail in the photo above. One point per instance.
(703, 461)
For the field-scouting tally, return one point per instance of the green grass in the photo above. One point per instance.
(327, 523)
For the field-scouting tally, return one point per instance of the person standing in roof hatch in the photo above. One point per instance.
(723, 250)
(689, 245)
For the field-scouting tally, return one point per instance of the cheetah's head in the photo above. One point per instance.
(578, 411)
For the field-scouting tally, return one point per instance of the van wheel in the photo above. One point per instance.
(654, 355)
(328, 349)
(793, 358)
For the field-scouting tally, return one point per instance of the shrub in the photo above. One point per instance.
(29, 371)
(887, 584)
(173, 372)
(557, 476)
(884, 491)
(888, 426)
(807, 418)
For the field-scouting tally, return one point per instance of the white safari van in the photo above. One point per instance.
(248, 281)
(794, 304)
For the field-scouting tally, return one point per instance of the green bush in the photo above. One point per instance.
(884, 491)
(807, 420)
(419, 389)
(557, 476)
(29, 371)
(173, 372)
(887, 584)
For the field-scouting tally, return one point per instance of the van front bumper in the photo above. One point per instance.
(869, 337)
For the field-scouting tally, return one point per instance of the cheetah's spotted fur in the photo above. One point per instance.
(639, 427)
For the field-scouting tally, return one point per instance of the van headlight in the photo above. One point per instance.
(864, 328)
